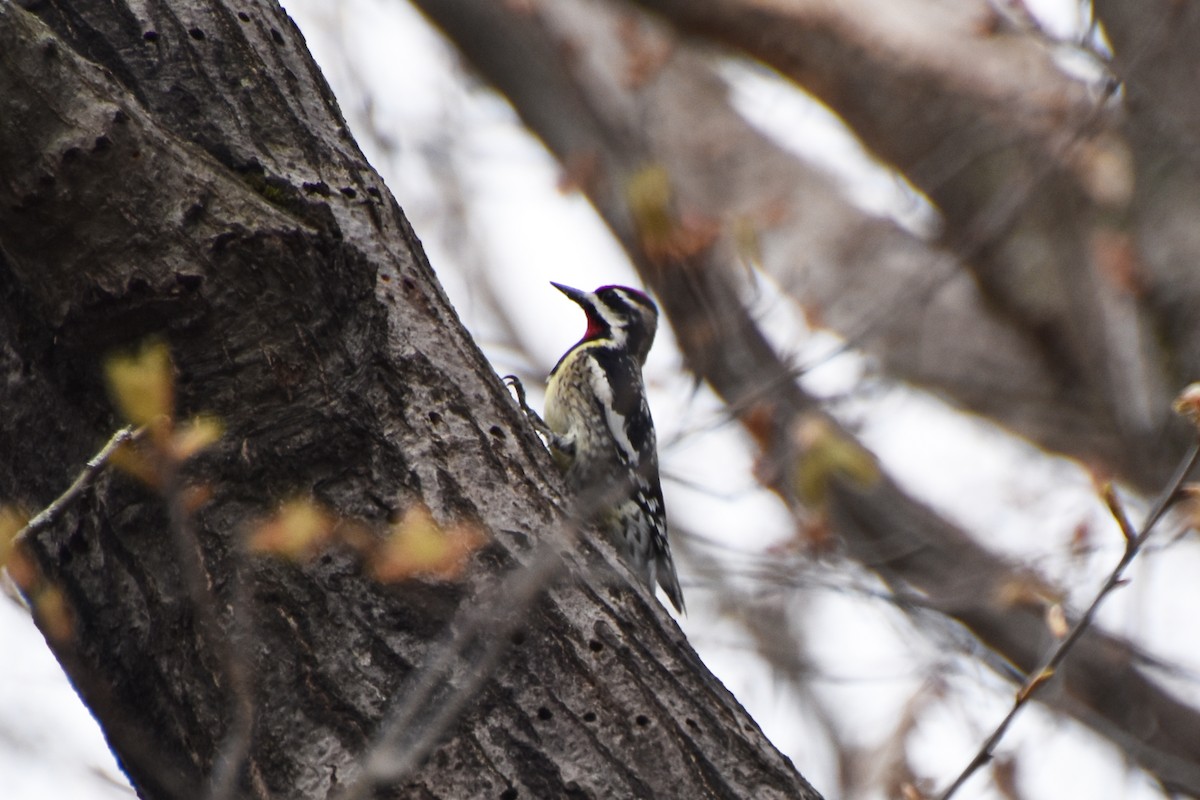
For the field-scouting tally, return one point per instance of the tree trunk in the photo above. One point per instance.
(181, 169)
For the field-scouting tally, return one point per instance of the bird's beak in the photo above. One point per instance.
(579, 297)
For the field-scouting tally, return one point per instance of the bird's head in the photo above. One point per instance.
(624, 316)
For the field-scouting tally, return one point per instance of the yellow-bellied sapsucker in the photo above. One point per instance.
(599, 429)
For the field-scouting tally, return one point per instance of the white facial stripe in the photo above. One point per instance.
(633, 302)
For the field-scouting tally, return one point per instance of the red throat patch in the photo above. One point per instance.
(595, 327)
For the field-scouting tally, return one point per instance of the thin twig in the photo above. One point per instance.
(48, 515)
(1043, 674)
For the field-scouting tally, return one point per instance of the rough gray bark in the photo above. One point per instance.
(181, 168)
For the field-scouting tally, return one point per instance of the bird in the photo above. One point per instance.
(601, 435)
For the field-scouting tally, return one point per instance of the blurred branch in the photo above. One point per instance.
(979, 82)
(1154, 57)
(1034, 182)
